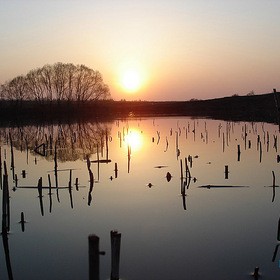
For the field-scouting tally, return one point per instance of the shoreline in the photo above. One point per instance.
(258, 108)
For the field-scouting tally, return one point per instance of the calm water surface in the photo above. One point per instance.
(162, 183)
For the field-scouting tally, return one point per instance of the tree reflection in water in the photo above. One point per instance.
(74, 141)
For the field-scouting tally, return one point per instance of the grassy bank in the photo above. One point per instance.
(247, 108)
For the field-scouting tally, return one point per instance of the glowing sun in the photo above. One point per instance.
(131, 80)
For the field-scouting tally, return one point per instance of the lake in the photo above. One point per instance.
(191, 198)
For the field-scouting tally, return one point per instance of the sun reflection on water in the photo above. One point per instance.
(134, 139)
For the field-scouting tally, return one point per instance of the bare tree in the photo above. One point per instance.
(57, 82)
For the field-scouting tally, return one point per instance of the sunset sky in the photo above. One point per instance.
(149, 50)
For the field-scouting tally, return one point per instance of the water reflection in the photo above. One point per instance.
(6, 221)
(178, 178)
(134, 140)
(72, 141)
(5, 241)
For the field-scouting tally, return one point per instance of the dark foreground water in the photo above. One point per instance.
(187, 204)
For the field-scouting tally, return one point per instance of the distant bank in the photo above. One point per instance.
(236, 108)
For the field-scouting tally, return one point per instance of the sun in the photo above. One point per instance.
(131, 80)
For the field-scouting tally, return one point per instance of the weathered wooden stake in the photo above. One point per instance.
(245, 137)
(256, 273)
(50, 192)
(128, 158)
(158, 134)
(238, 152)
(22, 221)
(70, 188)
(115, 254)
(16, 181)
(226, 172)
(106, 143)
(258, 142)
(93, 256)
(249, 144)
(40, 188)
(116, 170)
(190, 159)
(275, 142)
(166, 148)
(12, 157)
(77, 184)
(260, 151)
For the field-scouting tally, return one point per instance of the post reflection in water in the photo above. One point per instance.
(198, 190)
(6, 221)
(134, 141)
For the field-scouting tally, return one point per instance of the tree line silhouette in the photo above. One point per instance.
(57, 82)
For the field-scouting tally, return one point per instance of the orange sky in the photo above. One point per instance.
(176, 50)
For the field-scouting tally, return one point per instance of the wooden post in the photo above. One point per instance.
(91, 181)
(226, 172)
(50, 192)
(158, 134)
(245, 137)
(190, 160)
(166, 140)
(12, 157)
(238, 152)
(93, 256)
(249, 144)
(40, 188)
(106, 143)
(188, 174)
(275, 142)
(116, 170)
(260, 151)
(183, 193)
(258, 142)
(256, 273)
(22, 221)
(16, 181)
(70, 188)
(115, 254)
(77, 184)
(128, 158)
(273, 186)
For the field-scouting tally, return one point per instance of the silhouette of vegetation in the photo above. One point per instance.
(58, 82)
(251, 93)
(65, 93)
